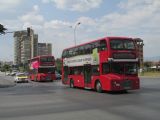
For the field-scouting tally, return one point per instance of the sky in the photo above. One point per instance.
(54, 22)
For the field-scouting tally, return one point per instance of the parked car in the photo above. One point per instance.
(8, 73)
(21, 77)
(13, 73)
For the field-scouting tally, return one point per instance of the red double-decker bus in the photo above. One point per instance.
(109, 64)
(42, 68)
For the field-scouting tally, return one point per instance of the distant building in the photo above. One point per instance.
(35, 46)
(44, 49)
(25, 45)
(139, 47)
(6, 63)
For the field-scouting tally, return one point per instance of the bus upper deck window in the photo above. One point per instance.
(103, 45)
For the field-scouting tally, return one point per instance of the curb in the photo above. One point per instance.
(6, 86)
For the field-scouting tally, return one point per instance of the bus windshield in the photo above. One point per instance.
(131, 69)
(46, 59)
(122, 44)
(46, 70)
(124, 68)
(118, 68)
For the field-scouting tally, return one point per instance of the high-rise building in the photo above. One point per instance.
(44, 49)
(25, 45)
(35, 46)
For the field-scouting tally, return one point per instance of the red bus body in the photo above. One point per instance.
(109, 63)
(42, 68)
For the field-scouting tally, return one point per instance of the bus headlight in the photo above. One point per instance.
(116, 83)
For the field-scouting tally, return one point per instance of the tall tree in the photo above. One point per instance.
(58, 65)
(2, 29)
(148, 64)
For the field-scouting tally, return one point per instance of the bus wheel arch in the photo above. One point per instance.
(71, 83)
(98, 86)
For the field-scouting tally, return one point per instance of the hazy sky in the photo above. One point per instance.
(51, 20)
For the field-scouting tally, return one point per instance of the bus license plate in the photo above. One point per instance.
(127, 84)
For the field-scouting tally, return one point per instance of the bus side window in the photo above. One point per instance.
(95, 70)
(95, 45)
(81, 50)
(70, 52)
(87, 48)
(76, 51)
(65, 54)
(66, 72)
(76, 71)
(71, 71)
(105, 68)
(73, 52)
(103, 45)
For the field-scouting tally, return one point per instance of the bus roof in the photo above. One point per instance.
(98, 40)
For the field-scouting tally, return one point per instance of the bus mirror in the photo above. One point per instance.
(110, 60)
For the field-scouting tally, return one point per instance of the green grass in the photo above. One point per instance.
(150, 74)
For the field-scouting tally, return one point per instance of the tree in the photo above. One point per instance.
(2, 29)
(5, 68)
(58, 65)
(147, 64)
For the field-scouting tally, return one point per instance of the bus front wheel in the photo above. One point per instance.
(98, 87)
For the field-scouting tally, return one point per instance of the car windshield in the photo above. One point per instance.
(124, 68)
(21, 75)
(122, 44)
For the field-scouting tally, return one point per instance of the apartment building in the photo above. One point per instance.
(25, 45)
(44, 49)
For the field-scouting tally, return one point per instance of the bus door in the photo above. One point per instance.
(87, 75)
(129, 70)
(66, 73)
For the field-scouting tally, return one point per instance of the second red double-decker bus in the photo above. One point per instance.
(109, 64)
(42, 68)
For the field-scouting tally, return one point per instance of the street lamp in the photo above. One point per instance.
(75, 32)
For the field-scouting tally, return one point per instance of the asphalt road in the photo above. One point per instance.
(54, 101)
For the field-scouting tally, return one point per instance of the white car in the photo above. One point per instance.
(8, 73)
(13, 73)
(21, 77)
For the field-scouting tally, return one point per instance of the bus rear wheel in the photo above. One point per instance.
(71, 84)
(98, 87)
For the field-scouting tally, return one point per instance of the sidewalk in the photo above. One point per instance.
(150, 74)
(143, 76)
(5, 82)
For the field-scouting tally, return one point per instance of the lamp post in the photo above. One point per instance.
(75, 27)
